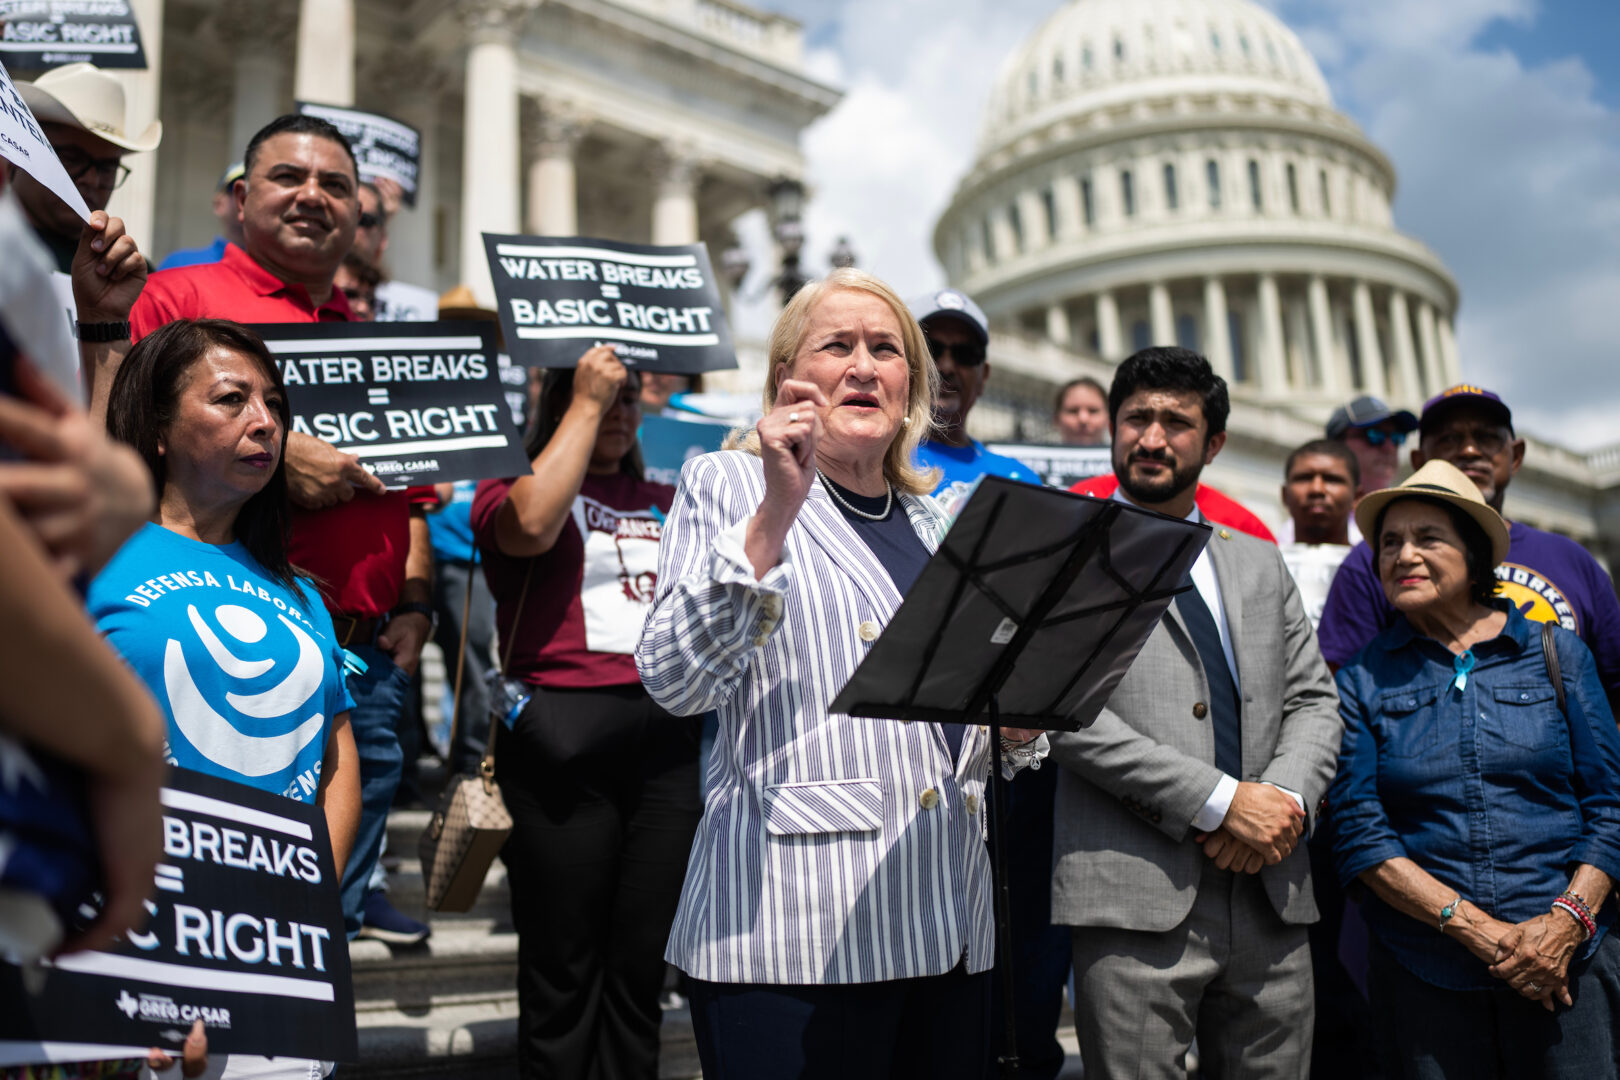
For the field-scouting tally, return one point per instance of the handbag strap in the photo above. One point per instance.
(486, 767)
(461, 656)
(1549, 653)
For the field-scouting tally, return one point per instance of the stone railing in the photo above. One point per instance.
(737, 24)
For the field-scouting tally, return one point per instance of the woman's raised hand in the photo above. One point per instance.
(787, 445)
(598, 376)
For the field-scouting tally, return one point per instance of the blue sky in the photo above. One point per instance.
(1502, 118)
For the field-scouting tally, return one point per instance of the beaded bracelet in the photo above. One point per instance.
(1573, 906)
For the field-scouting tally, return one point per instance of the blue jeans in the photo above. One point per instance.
(379, 698)
(1434, 1034)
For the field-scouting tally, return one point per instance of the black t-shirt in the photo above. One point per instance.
(896, 545)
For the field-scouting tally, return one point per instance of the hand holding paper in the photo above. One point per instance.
(109, 272)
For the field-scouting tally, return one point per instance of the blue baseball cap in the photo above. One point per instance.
(1365, 412)
(954, 304)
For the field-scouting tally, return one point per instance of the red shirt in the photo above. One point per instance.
(1219, 508)
(356, 550)
(590, 594)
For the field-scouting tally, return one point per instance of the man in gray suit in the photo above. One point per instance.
(1180, 811)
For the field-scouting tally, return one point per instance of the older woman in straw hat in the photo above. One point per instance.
(1478, 800)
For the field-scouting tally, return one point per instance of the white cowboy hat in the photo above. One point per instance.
(85, 97)
(1443, 481)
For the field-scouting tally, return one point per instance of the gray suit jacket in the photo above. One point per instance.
(1124, 854)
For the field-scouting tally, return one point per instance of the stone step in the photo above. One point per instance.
(478, 1041)
(467, 960)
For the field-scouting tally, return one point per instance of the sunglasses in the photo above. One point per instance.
(369, 221)
(110, 172)
(1377, 437)
(966, 353)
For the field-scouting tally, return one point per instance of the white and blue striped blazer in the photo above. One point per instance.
(832, 849)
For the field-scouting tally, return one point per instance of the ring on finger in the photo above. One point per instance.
(1534, 988)
(793, 418)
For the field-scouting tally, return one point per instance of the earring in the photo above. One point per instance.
(905, 421)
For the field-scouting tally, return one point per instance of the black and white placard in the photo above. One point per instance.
(49, 33)
(419, 403)
(245, 932)
(559, 296)
(383, 146)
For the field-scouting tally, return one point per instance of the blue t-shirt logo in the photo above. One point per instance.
(218, 738)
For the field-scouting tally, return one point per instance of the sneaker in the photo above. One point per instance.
(381, 921)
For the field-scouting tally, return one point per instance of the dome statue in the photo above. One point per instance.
(1175, 172)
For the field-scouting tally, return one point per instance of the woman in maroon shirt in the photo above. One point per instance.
(602, 784)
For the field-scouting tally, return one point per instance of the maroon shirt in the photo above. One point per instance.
(590, 594)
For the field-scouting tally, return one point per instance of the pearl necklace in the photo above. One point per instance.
(832, 489)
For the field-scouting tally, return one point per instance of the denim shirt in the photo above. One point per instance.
(1488, 788)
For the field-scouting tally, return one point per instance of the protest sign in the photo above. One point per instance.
(668, 443)
(1059, 466)
(245, 932)
(50, 33)
(24, 145)
(383, 147)
(558, 296)
(419, 403)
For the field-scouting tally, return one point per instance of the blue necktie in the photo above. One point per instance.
(1225, 712)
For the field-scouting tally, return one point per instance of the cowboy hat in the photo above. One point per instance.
(1444, 482)
(85, 97)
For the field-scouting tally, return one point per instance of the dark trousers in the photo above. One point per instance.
(602, 788)
(1429, 1033)
(932, 1028)
(1344, 1047)
(1041, 951)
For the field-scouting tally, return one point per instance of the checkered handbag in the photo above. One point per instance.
(471, 821)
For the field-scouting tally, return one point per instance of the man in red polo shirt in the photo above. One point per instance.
(367, 547)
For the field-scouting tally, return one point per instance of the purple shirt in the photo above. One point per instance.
(1550, 578)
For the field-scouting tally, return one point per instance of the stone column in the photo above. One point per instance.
(1217, 328)
(1327, 361)
(257, 36)
(1273, 365)
(1002, 240)
(1110, 343)
(1032, 213)
(136, 200)
(1161, 317)
(1066, 197)
(324, 71)
(407, 83)
(1058, 330)
(489, 152)
(1412, 388)
(1448, 352)
(1372, 357)
(554, 136)
(674, 210)
(1434, 368)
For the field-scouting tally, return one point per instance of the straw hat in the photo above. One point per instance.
(460, 303)
(85, 97)
(1443, 481)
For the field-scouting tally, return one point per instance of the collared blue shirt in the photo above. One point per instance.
(1489, 787)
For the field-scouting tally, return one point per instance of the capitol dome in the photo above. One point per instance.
(1175, 172)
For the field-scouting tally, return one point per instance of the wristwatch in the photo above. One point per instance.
(102, 331)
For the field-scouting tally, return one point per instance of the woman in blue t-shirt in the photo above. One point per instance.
(202, 602)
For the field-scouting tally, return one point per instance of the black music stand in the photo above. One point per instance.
(1032, 609)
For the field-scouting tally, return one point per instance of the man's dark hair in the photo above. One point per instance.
(1084, 380)
(142, 404)
(362, 268)
(1329, 448)
(297, 124)
(1477, 554)
(1169, 368)
(556, 392)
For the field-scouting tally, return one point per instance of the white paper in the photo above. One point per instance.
(35, 306)
(23, 144)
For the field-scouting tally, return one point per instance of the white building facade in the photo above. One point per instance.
(654, 121)
(1174, 172)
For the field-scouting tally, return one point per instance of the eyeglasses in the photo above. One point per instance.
(1488, 441)
(110, 172)
(1377, 437)
(369, 221)
(966, 353)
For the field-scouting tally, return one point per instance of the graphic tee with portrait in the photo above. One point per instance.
(248, 672)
